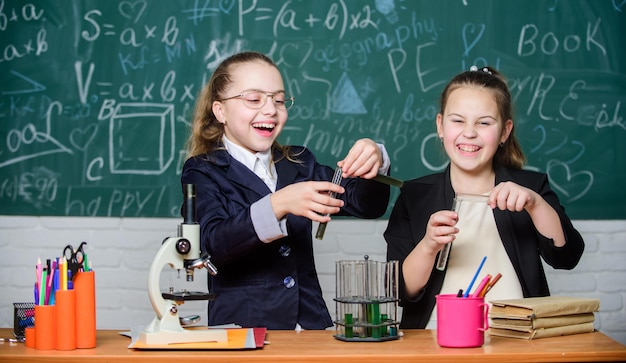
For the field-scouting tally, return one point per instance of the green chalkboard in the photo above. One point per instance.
(96, 95)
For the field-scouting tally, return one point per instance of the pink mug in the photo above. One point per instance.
(461, 321)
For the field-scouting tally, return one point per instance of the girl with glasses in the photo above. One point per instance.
(256, 199)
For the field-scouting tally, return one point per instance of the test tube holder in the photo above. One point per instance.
(366, 301)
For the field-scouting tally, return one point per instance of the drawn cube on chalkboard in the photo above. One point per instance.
(141, 138)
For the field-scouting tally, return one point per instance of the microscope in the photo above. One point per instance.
(180, 252)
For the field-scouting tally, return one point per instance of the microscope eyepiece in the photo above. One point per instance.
(189, 204)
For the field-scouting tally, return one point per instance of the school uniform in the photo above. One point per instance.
(273, 284)
(420, 198)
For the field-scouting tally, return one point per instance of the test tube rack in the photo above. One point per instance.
(366, 300)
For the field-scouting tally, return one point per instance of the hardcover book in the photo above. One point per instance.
(538, 323)
(543, 332)
(539, 307)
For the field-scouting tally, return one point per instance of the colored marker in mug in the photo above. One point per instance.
(482, 286)
(491, 283)
(469, 288)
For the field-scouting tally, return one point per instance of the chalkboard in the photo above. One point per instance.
(96, 96)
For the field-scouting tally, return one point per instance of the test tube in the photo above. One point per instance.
(348, 332)
(321, 228)
(442, 260)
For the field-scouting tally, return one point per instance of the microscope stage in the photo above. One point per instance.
(188, 295)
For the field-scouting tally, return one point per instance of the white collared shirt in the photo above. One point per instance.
(265, 224)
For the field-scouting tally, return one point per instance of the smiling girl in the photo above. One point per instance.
(256, 199)
(510, 215)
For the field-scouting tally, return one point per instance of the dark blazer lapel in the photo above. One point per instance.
(286, 170)
(237, 173)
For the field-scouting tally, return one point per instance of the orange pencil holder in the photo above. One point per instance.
(66, 319)
(29, 337)
(85, 288)
(45, 327)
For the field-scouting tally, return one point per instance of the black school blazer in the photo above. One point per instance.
(421, 197)
(254, 280)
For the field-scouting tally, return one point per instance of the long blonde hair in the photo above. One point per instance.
(510, 154)
(206, 131)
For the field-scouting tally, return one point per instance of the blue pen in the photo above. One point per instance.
(475, 276)
(70, 281)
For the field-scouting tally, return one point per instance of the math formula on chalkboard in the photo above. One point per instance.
(96, 96)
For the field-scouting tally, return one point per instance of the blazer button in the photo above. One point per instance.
(289, 282)
(284, 250)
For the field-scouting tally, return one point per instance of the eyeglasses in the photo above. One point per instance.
(255, 99)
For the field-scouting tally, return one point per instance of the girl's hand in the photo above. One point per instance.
(440, 230)
(309, 199)
(363, 160)
(418, 265)
(513, 197)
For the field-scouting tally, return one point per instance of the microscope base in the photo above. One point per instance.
(167, 330)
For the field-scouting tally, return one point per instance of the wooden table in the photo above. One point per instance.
(320, 346)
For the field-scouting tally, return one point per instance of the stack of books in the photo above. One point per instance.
(542, 317)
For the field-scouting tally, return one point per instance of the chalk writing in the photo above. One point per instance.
(530, 41)
(97, 97)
